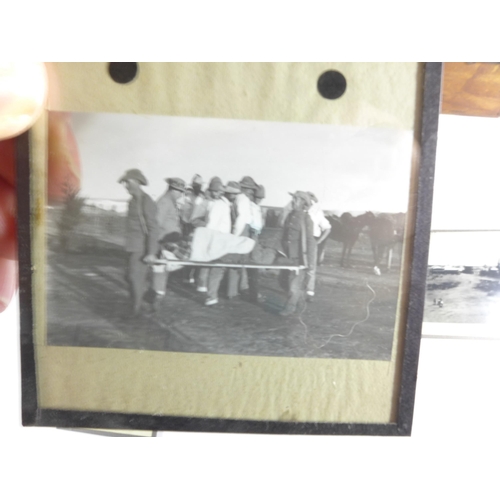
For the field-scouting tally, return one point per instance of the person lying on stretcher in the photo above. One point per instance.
(208, 245)
(290, 245)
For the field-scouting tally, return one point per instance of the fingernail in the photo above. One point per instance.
(23, 90)
(8, 280)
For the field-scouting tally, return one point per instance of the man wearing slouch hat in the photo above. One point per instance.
(192, 213)
(250, 284)
(322, 228)
(211, 215)
(169, 226)
(299, 244)
(141, 236)
(169, 221)
(243, 227)
(194, 205)
(243, 206)
(220, 219)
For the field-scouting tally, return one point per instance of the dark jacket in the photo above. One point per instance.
(142, 226)
(298, 236)
(169, 220)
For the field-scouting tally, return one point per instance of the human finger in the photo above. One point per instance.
(23, 90)
(63, 177)
(8, 233)
(63, 157)
(7, 222)
(8, 281)
(7, 161)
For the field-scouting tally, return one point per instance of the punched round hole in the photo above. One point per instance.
(332, 84)
(123, 72)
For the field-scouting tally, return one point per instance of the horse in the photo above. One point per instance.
(385, 231)
(345, 229)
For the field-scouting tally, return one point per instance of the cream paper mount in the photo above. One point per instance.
(323, 342)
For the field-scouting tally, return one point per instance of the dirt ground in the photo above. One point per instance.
(87, 302)
(466, 298)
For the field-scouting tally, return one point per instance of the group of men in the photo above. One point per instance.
(232, 208)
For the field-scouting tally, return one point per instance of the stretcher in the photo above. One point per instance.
(173, 265)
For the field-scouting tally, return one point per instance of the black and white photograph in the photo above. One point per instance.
(222, 236)
(463, 283)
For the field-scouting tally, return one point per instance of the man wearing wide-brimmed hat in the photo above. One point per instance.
(322, 228)
(170, 230)
(213, 192)
(213, 216)
(169, 221)
(243, 206)
(220, 219)
(231, 191)
(249, 279)
(242, 225)
(257, 222)
(220, 210)
(141, 236)
(194, 200)
(192, 213)
(298, 243)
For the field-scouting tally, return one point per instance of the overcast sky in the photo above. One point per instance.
(462, 248)
(348, 168)
(466, 192)
(467, 182)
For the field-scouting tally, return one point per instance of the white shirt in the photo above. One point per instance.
(243, 206)
(320, 222)
(257, 220)
(199, 208)
(219, 215)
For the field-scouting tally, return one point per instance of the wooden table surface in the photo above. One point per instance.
(471, 89)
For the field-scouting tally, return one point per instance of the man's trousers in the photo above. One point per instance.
(136, 273)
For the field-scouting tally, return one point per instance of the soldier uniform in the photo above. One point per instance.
(169, 221)
(249, 281)
(222, 221)
(298, 243)
(322, 228)
(242, 227)
(141, 238)
(258, 217)
(169, 227)
(195, 205)
(193, 214)
(199, 218)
